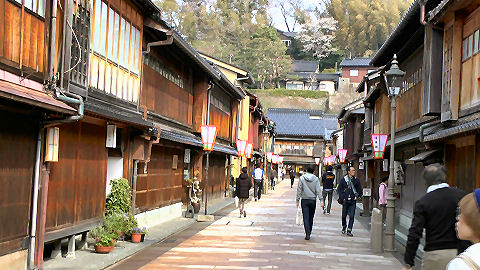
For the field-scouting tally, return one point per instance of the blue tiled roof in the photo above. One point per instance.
(301, 122)
(304, 66)
(356, 62)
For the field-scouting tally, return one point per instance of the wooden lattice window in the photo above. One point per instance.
(447, 67)
(81, 28)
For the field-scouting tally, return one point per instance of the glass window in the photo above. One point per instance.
(122, 43)
(111, 28)
(470, 45)
(353, 72)
(28, 4)
(476, 42)
(41, 8)
(127, 44)
(96, 38)
(115, 38)
(465, 49)
(103, 35)
(132, 50)
(137, 49)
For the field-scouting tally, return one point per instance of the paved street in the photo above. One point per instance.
(266, 239)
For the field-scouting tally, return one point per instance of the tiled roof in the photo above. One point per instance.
(301, 122)
(355, 62)
(319, 76)
(304, 66)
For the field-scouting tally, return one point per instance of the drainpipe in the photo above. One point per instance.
(424, 126)
(422, 11)
(167, 41)
(36, 179)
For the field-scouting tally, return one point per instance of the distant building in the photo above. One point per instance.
(306, 76)
(286, 37)
(301, 135)
(354, 69)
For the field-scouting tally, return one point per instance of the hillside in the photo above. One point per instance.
(304, 99)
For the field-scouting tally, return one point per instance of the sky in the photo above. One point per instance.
(277, 18)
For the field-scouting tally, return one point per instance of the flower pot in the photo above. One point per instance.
(102, 249)
(196, 207)
(136, 237)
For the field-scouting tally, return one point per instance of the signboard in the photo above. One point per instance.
(186, 157)
(111, 141)
(379, 142)
(367, 192)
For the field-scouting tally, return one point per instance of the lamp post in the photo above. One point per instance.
(393, 81)
(209, 134)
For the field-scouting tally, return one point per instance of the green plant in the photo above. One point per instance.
(119, 199)
(282, 92)
(115, 224)
(102, 236)
(130, 224)
(142, 230)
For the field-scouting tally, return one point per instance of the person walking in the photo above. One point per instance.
(272, 174)
(468, 228)
(436, 213)
(308, 190)
(348, 192)
(292, 177)
(382, 197)
(244, 184)
(257, 182)
(328, 179)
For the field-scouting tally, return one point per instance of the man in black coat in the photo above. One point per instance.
(244, 184)
(349, 189)
(327, 182)
(436, 213)
(292, 177)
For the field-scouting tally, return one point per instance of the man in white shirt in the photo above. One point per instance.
(257, 181)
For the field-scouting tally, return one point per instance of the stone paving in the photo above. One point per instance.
(266, 239)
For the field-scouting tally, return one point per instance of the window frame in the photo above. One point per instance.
(355, 71)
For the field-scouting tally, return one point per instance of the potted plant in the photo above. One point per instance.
(130, 224)
(138, 234)
(104, 240)
(119, 198)
(193, 185)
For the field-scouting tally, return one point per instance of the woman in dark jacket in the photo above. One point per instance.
(244, 184)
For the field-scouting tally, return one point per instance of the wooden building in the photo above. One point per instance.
(436, 109)
(351, 119)
(301, 135)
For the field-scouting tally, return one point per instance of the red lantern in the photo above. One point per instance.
(317, 160)
(342, 155)
(269, 156)
(249, 150)
(241, 145)
(209, 135)
(331, 159)
(274, 159)
(379, 143)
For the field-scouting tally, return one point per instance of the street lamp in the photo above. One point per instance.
(209, 134)
(394, 82)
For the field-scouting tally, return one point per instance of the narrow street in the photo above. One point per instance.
(266, 239)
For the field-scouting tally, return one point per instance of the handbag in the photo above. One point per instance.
(236, 201)
(299, 219)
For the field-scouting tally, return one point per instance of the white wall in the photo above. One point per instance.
(114, 170)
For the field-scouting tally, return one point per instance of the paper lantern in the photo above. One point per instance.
(379, 143)
(209, 135)
(342, 155)
(241, 145)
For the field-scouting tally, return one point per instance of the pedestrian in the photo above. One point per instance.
(308, 190)
(283, 173)
(257, 182)
(349, 190)
(382, 197)
(272, 177)
(468, 228)
(292, 177)
(327, 181)
(436, 213)
(244, 184)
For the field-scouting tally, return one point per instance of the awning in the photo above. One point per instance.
(460, 128)
(184, 137)
(424, 155)
(26, 95)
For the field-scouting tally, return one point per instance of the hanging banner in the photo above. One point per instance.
(379, 142)
(342, 155)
